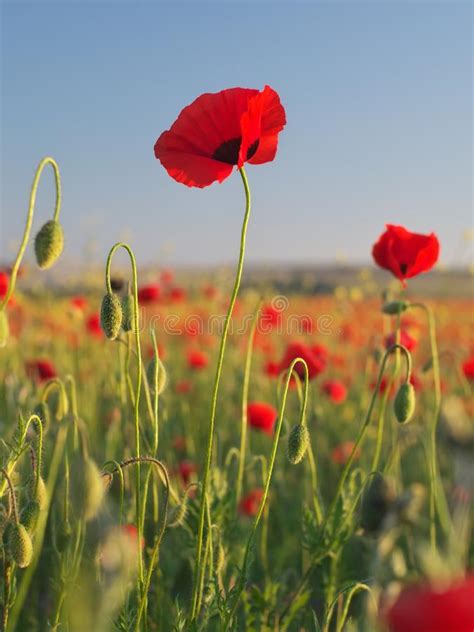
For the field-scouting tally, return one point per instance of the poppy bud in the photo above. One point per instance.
(41, 494)
(49, 244)
(395, 307)
(297, 445)
(404, 404)
(162, 378)
(30, 515)
(178, 514)
(4, 328)
(111, 315)
(92, 488)
(378, 497)
(128, 313)
(20, 545)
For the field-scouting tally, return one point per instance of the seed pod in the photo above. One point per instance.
(30, 515)
(298, 440)
(111, 315)
(378, 497)
(162, 377)
(404, 404)
(4, 328)
(20, 545)
(41, 494)
(92, 489)
(395, 307)
(49, 243)
(128, 313)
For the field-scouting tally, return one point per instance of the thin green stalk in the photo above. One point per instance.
(29, 221)
(136, 321)
(281, 413)
(220, 362)
(245, 397)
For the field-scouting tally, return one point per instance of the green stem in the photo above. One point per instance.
(129, 251)
(220, 361)
(29, 221)
(245, 397)
(281, 413)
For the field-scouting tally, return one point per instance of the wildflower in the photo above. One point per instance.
(186, 470)
(40, 370)
(250, 503)
(316, 364)
(335, 390)
(197, 359)
(93, 326)
(405, 339)
(405, 254)
(341, 453)
(79, 303)
(423, 607)
(262, 416)
(149, 294)
(220, 131)
(468, 368)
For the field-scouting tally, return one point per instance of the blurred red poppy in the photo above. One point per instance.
(270, 317)
(186, 470)
(219, 131)
(262, 416)
(4, 282)
(249, 505)
(468, 368)
(315, 362)
(131, 531)
(405, 254)
(93, 326)
(422, 608)
(149, 294)
(79, 302)
(335, 390)
(405, 339)
(40, 370)
(341, 453)
(197, 359)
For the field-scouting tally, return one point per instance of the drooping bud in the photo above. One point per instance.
(4, 328)
(111, 315)
(49, 243)
(178, 514)
(161, 378)
(128, 313)
(404, 404)
(378, 497)
(20, 545)
(393, 308)
(30, 515)
(298, 440)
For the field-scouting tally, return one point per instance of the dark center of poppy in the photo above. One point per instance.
(403, 268)
(228, 152)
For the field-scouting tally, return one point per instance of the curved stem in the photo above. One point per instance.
(12, 495)
(29, 221)
(245, 397)
(220, 361)
(129, 251)
(241, 581)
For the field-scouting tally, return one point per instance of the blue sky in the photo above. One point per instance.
(378, 101)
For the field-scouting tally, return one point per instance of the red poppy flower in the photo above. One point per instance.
(270, 317)
(167, 277)
(468, 368)
(405, 339)
(250, 504)
(316, 364)
(186, 470)
(197, 359)
(210, 292)
(176, 294)
(131, 532)
(272, 368)
(422, 608)
(262, 416)
(405, 254)
(335, 390)
(149, 294)
(384, 382)
(343, 451)
(3, 284)
(220, 131)
(40, 370)
(79, 302)
(93, 326)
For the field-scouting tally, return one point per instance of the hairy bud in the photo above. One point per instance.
(49, 243)
(395, 307)
(128, 313)
(298, 440)
(30, 515)
(20, 545)
(404, 404)
(111, 315)
(161, 379)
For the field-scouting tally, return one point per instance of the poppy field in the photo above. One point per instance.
(187, 453)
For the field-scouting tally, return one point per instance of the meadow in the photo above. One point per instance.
(301, 463)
